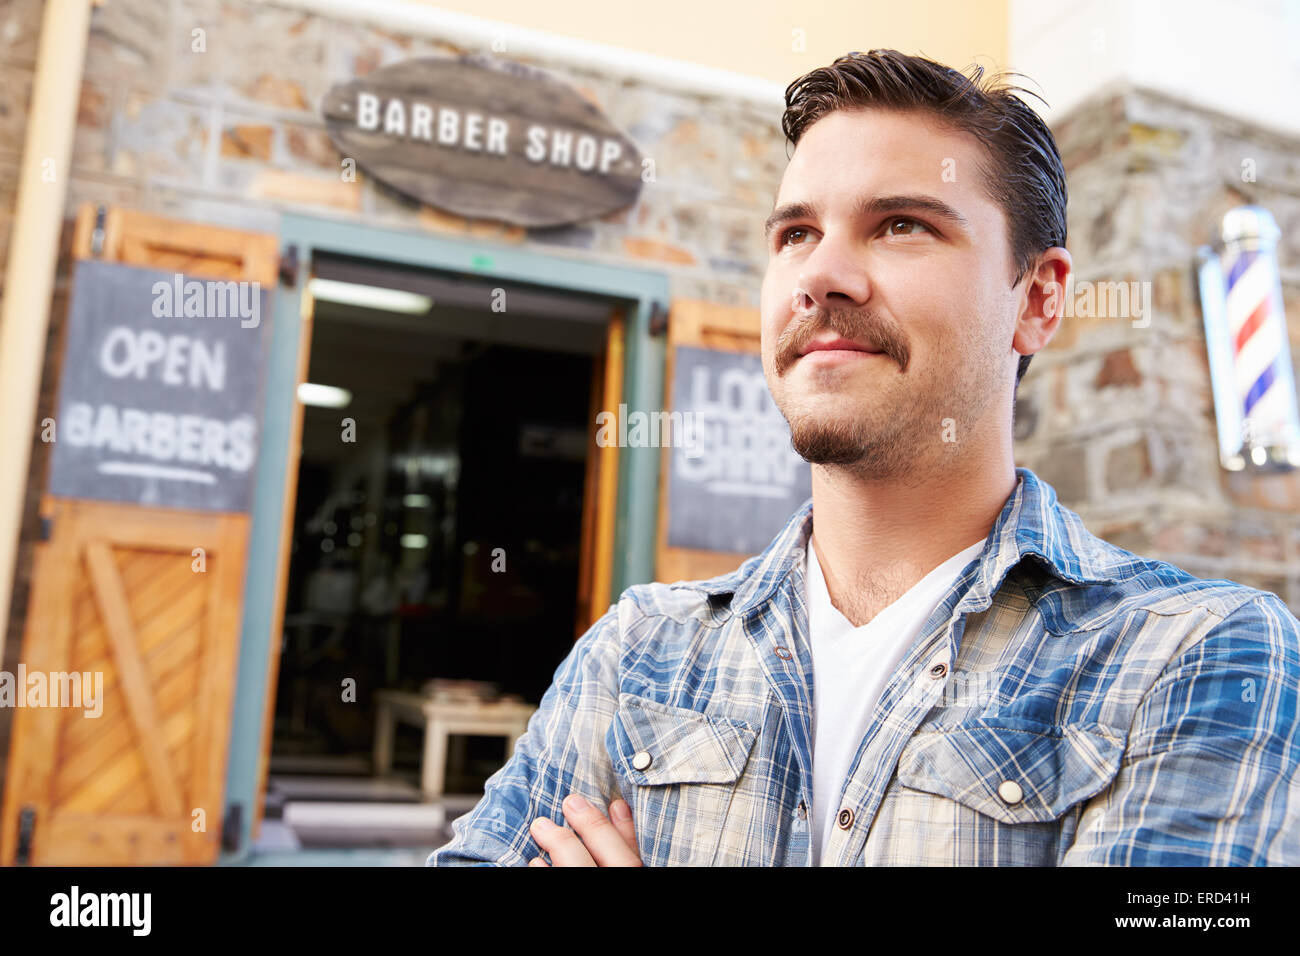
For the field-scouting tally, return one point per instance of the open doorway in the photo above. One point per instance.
(442, 532)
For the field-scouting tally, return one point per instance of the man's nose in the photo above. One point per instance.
(833, 276)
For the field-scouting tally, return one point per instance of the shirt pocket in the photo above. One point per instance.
(678, 769)
(997, 790)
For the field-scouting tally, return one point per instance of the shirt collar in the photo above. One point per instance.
(1032, 522)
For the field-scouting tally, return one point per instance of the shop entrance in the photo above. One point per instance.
(616, 316)
(446, 512)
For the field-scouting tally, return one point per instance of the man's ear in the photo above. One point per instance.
(1042, 302)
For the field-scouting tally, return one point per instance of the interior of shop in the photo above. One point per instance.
(437, 537)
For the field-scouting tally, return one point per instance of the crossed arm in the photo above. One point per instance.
(605, 841)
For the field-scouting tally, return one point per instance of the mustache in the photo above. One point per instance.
(857, 325)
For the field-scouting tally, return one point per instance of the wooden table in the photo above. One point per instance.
(441, 718)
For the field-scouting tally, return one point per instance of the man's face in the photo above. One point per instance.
(897, 255)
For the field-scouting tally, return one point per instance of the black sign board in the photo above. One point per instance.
(161, 389)
(737, 483)
(485, 138)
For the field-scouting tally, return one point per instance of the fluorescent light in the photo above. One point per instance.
(370, 296)
(324, 396)
(416, 501)
(414, 541)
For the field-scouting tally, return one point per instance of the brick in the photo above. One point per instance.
(1271, 492)
(307, 146)
(657, 251)
(1065, 468)
(279, 185)
(157, 137)
(1127, 466)
(15, 96)
(442, 221)
(1129, 535)
(1117, 368)
(20, 30)
(247, 142)
(1171, 539)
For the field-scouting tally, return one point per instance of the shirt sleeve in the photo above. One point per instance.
(1209, 776)
(561, 752)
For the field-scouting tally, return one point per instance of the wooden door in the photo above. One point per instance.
(150, 600)
(711, 326)
(147, 601)
(600, 487)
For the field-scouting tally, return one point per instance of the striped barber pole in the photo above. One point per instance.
(1246, 333)
(1256, 323)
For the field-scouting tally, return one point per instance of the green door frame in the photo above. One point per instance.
(638, 472)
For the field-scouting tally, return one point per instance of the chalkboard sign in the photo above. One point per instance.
(161, 389)
(486, 138)
(736, 481)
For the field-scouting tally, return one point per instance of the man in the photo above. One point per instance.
(934, 662)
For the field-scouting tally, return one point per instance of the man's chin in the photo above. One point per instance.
(826, 443)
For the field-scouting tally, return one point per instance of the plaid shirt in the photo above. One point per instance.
(1068, 702)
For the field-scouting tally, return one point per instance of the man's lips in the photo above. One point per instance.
(837, 345)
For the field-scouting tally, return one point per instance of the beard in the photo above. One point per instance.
(901, 435)
(867, 446)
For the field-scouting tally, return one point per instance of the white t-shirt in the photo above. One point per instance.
(851, 668)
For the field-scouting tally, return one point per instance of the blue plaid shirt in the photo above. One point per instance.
(1068, 702)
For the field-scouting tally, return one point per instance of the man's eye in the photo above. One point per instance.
(787, 233)
(893, 223)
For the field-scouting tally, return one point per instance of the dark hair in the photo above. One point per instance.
(1023, 174)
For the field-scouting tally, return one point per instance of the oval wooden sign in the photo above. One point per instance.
(486, 139)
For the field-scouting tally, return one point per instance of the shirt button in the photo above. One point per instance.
(802, 811)
(845, 818)
(783, 653)
(1010, 791)
(938, 671)
(641, 760)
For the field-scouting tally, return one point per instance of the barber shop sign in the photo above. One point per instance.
(486, 139)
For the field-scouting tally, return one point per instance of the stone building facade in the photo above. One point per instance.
(215, 120)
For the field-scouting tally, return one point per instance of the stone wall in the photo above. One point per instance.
(232, 136)
(1119, 418)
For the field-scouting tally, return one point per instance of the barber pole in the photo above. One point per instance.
(1246, 337)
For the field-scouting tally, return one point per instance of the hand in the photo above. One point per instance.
(603, 843)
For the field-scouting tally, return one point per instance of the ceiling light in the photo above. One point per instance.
(370, 296)
(323, 396)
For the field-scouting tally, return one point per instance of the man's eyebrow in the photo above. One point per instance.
(935, 207)
(791, 210)
(870, 207)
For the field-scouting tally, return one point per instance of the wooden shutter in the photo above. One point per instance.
(122, 590)
(711, 326)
